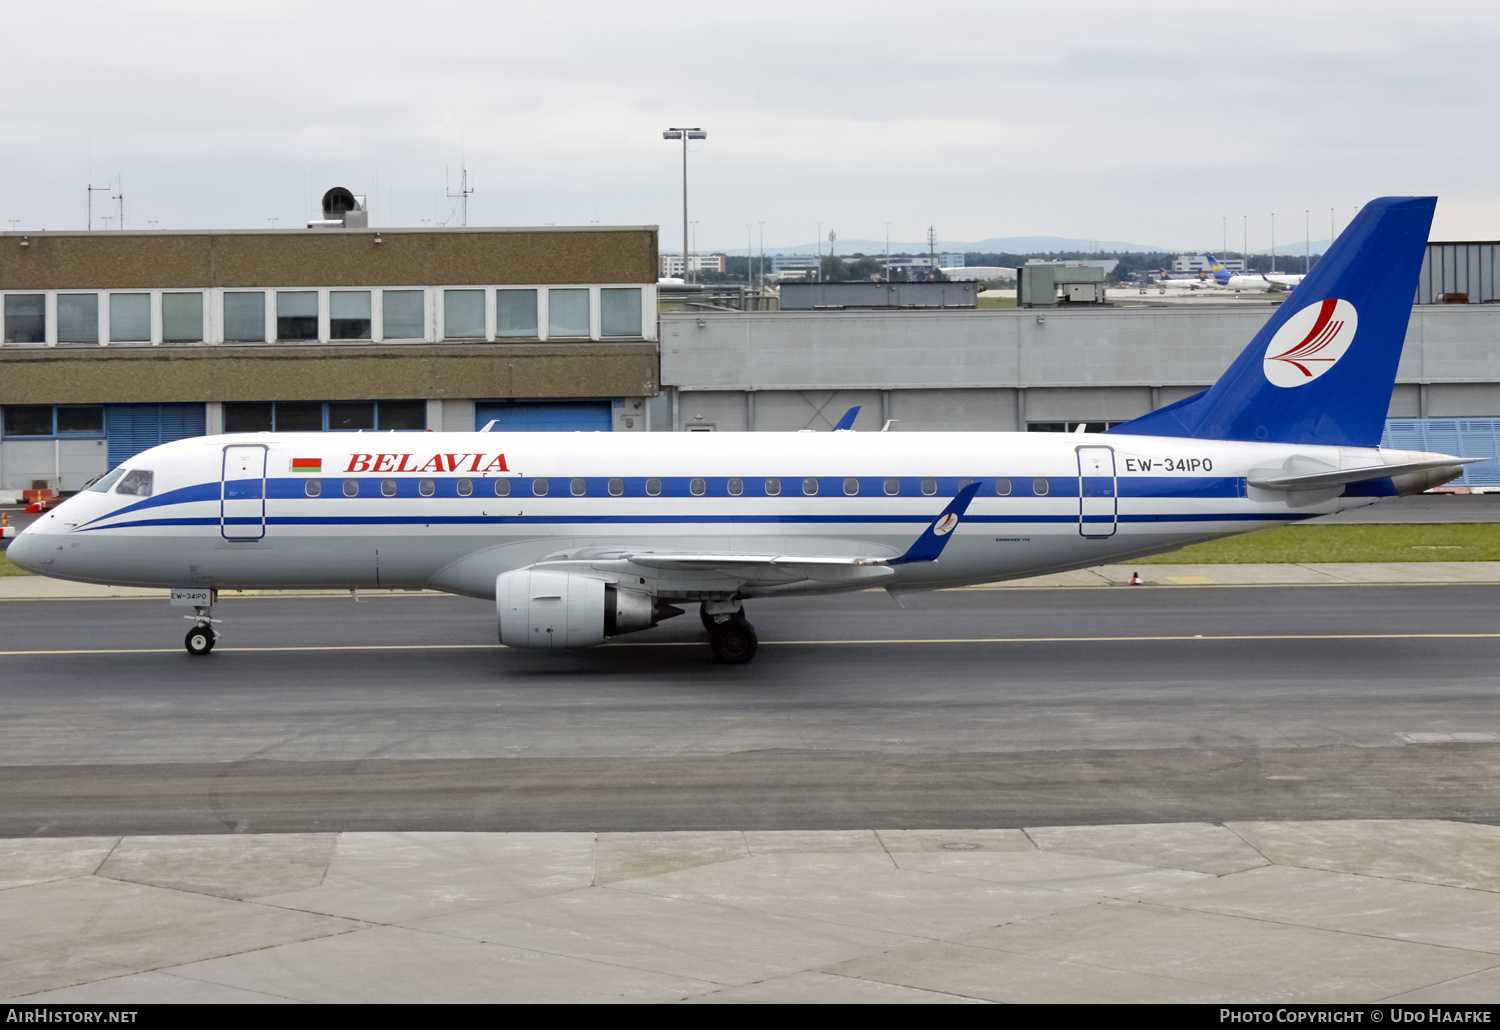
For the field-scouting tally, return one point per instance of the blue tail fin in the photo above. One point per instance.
(1322, 369)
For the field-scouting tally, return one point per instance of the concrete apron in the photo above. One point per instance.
(1337, 911)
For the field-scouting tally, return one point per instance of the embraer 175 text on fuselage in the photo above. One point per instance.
(582, 537)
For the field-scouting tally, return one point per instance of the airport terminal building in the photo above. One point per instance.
(117, 341)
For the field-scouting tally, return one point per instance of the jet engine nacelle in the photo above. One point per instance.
(552, 611)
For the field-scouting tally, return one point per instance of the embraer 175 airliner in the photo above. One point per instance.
(583, 537)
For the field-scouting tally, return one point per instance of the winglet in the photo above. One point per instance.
(931, 543)
(846, 423)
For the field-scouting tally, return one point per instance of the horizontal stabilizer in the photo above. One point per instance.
(1282, 479)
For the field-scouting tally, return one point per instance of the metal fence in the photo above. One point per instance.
(1464, 437)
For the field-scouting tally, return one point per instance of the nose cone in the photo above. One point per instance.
(29, 550)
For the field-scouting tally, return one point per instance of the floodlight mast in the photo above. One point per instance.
(684, 135)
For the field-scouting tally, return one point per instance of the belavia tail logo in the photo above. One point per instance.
(1310, 343)
(945, 525)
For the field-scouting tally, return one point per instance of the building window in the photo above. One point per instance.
(78, 318)
(402, 315)
(620, 312)
(349, 315)
(53, 420)
(244, 318)
(26, 318)
(568, 313)
(463, 314)
(515, 313)
(182, 317)
(296, 315)
(1039, 487)
(130, 318)
(1002, 487)
(350, 415)
(317, 416)
(401, 415)
(502, 488)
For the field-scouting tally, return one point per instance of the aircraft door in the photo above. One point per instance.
(242, 495)
(1098, 505)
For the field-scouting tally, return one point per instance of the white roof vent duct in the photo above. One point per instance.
(342, 210)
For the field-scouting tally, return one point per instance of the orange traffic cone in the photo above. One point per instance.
(1135, 579)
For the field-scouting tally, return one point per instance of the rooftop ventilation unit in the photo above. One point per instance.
(342, 210)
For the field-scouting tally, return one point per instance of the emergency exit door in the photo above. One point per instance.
(242, 495)
(1098, 505)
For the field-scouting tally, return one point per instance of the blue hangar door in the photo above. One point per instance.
(544, 416)
(133, 428)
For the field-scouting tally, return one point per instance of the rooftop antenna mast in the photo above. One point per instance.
(119, 198)
(462, 196)
(92, 189)
(932, 252)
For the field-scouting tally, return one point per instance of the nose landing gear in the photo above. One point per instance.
(202, 637)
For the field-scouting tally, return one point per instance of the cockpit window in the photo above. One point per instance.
(104, 482)
(136, 482)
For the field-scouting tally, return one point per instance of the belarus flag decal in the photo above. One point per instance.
(308, 465)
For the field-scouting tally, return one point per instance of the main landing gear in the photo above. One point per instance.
(730, 635)
(201, 638)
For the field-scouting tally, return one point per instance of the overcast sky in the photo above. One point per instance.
(1148, 123)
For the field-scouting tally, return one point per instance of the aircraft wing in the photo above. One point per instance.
(772, 570)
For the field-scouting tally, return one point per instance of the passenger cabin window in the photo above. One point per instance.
(137, 482)
(426, 487)
(1039, 487)
(578, 487)
(653, 487)
(1002, 487)
(736, 487)
(351, 488)
(539, 487)
(697, 487)
(313, 487)
(465, 487)
(502, 488)
(929, 487)
(773, 488)
(616, 487)
(892, 487)
(810, 486)
(388, 487)
(851, 486)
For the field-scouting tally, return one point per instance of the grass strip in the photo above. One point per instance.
(1403, 542)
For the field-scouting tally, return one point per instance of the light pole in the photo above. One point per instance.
(762, 253)
(684, 135)
(886, 266)
(749, 250)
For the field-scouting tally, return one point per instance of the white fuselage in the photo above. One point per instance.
(452, 511)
